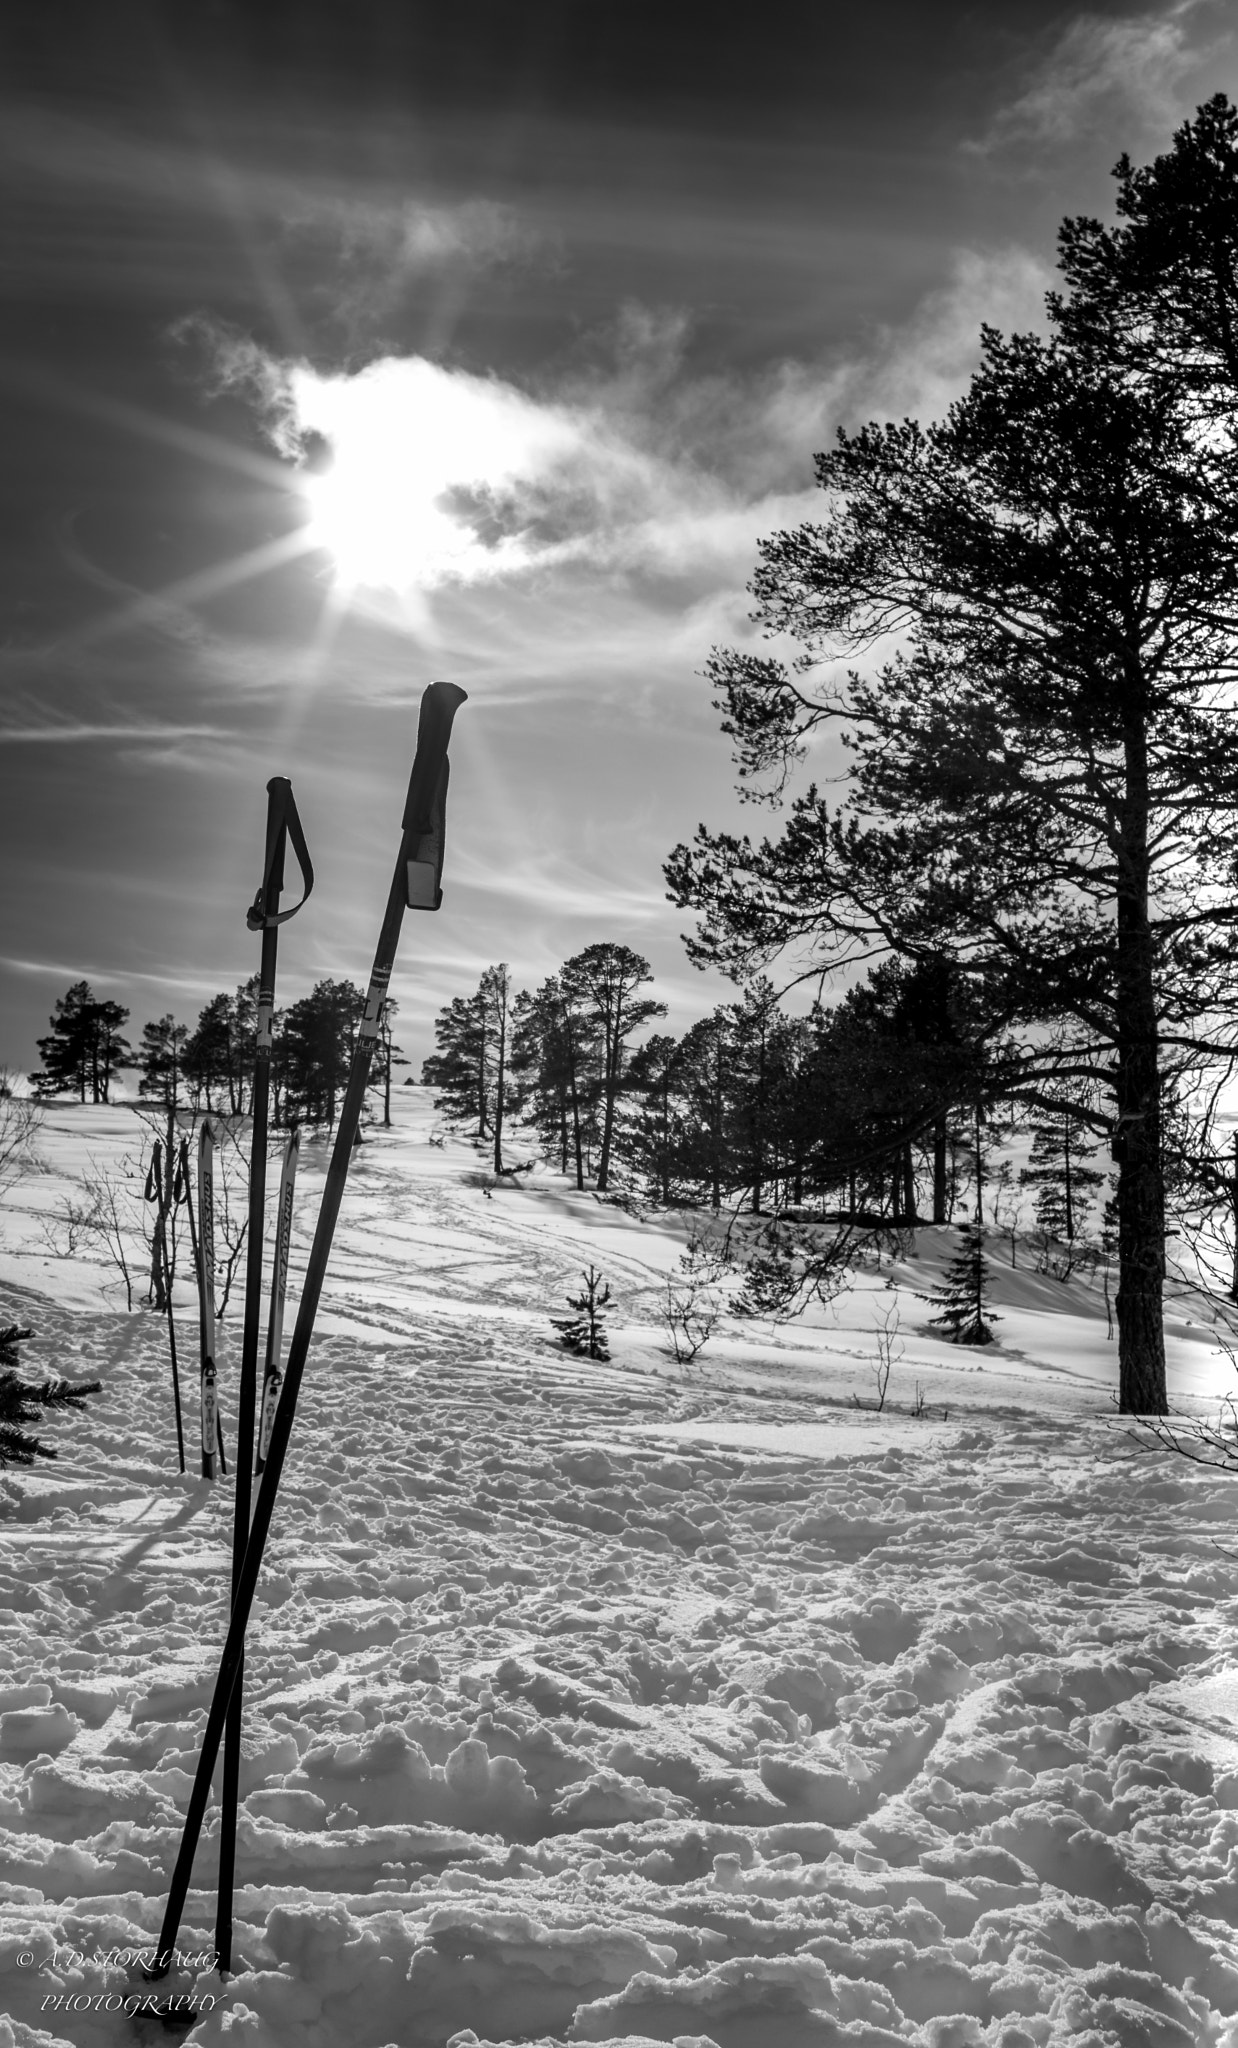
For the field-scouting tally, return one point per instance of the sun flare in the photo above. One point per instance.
(419, 458)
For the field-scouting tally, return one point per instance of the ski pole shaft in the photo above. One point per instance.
(184, 1183)
(265, 913)
(208, 1382)
(163, 1191)
(425, 802)
(176, 1378)
(272, 1378)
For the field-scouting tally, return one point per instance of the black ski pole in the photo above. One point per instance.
(154, 1193)
(208, 1378)
(182, 1193)
(415, 885)
(266, 917)
(272, 1377)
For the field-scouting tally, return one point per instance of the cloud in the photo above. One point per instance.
(420, 476)
(1135, 64)
(60, 730)
(363, 221)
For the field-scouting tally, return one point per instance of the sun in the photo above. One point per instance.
(408, 441)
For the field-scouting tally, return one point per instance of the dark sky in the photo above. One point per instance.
(346, 346)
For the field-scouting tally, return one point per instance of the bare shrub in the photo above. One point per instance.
(691, 1304)
(20, 1119)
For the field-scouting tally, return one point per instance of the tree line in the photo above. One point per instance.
(879, 1111)
(1021, 622)
(210, 1067)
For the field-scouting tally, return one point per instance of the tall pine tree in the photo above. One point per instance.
(603, 982)
(1043, 784)
(84, 1048)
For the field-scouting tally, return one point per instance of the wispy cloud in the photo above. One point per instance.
(422, 476)
(70, 731)
(382, 225)
(1135, 65)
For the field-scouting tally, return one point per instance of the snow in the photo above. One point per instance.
(629, 1702)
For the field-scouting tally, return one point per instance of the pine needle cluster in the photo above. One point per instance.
(21, 1401)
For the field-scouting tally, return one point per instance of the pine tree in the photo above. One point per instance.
(1058, 1169)
(555, 1062)
(84, 1047)
(460, 1068)
(653, 1136)
(388, 1055)
(773, 1278)
(707, 1061)
(604, 980)
(963, 1296)
(1041, 779)
(317, 1048)
(160, 1057)
(495, 992)
(217, 1055)
(583, 1332)
(21, 1400)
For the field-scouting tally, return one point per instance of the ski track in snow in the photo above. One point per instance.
(621, 1703)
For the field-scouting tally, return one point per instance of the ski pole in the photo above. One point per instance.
(266, 917)
(181, 1192)
(153, 1192)
(207, 1379)
(415, 885)
(272, 1377)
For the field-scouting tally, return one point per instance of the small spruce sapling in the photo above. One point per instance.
(583, 1332)
(963, 1296)
(21, 1400)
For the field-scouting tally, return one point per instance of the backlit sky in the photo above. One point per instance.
(347, 346)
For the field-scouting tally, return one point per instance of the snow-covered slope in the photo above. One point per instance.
(627, 1702)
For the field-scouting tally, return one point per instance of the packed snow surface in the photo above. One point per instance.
(624, 1702)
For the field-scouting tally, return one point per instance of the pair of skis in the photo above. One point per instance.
(211, 1440)
(203, 1248)
(211, 1432)
(415, 884)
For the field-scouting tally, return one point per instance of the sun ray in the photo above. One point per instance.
(151, 607)
(151, 426)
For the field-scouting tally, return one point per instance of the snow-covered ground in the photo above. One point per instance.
(627, 1702)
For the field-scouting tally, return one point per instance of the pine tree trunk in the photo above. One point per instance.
(498, 1099)
(909, 1186)
(1141, 1192)
(1233, 1196)
(758, 1135)
(939, 1171)
(610, 1089)
(580, 1164)
(979, 1170)
(666, 1145)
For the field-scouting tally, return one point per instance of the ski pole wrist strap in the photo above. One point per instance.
(283, 822)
